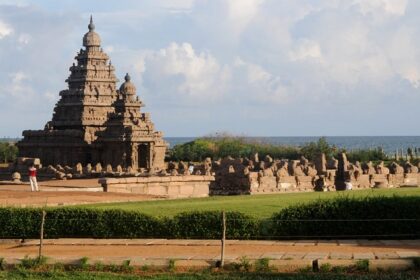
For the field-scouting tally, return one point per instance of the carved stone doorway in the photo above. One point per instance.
(143, 155)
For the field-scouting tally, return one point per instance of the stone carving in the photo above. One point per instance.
(332, 163)
(108, 168)
(88, 168)
(395, 168)
(98, 168)
(16, 178)
(381, 169)
(310, 171)
(410, 168)
(368, 168)
(321, 164)
(283, 171)
(79, 168)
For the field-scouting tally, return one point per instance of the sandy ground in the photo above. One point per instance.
(62, 192)
(200, 251)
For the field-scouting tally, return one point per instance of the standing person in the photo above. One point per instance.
(32, 178)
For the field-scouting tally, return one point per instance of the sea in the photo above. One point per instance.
(389, 144)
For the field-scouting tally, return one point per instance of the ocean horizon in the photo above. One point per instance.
(388, 143)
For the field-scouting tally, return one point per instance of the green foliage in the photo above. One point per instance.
(326, 267)
(31, 263)
(219, 147)
(378, 217)
(8, 152)
(84, 263)
(208, 223)
(126, 267)
(262, 265)
(365, 155)
(82, 222)
(99, 266)
(171, 265)
(2, 264)
(362, 265)
(313, 149)
(373, 217)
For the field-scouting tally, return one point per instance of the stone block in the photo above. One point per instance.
(291, 265)
(341, 256)
(194, 264)
(158, 263)
(363, 256)
(390, 265)
(315, 256)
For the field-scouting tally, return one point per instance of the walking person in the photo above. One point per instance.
(32, 178)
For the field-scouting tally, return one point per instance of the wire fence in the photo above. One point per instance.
(211, 228)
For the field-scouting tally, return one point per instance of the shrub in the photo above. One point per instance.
(208, 225)
(219, 147)
(380, 217)
(82, 222)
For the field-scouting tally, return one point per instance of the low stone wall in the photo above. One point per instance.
(182, 186)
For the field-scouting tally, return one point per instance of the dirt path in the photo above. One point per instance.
(210, 249)
(21, 196)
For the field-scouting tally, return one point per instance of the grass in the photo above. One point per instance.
(261, 206)
(22, 274)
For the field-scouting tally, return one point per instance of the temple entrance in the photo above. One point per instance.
(143, 155)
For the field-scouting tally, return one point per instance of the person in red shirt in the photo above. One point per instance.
(32, 178)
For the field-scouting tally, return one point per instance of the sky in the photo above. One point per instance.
(245, 67)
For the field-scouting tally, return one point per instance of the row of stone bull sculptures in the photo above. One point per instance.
(244, 175)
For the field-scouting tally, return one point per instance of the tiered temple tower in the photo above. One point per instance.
(93, 121)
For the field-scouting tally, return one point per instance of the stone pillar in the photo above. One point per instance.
(342, 166)
(321, 164)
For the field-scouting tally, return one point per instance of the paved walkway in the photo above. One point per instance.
(210, 249)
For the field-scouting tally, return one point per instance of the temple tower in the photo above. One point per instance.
(94, 121)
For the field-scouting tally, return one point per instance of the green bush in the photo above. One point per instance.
(8, 152)
(208, 224)
(95, 223)
(375, 217)
(220, 147)
(371, 217)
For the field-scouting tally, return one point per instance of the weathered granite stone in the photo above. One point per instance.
(98, 168)
(94, 121)
(16, 178)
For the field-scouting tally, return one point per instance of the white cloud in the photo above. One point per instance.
(24, 38)
(241, 12)
(389, 7)
(5, 30)
(180, 70)
(306, 49)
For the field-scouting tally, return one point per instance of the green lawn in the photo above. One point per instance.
(261, 206)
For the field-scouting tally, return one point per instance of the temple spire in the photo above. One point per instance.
(91, 26)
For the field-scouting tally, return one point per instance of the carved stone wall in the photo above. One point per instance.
(94, 122)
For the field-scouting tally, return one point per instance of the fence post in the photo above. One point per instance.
(41, 235)
(222, 256)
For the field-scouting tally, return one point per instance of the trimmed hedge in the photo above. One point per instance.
(372, 217)
(95, 223)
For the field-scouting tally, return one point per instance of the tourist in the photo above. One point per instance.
(32, 178)
(349, 186)
(191, 169)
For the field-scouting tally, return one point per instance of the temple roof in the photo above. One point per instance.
(128, 87)
(91, 38)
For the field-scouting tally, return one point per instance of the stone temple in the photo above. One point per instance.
(94, 122)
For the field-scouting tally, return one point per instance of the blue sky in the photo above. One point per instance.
(247, 67)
